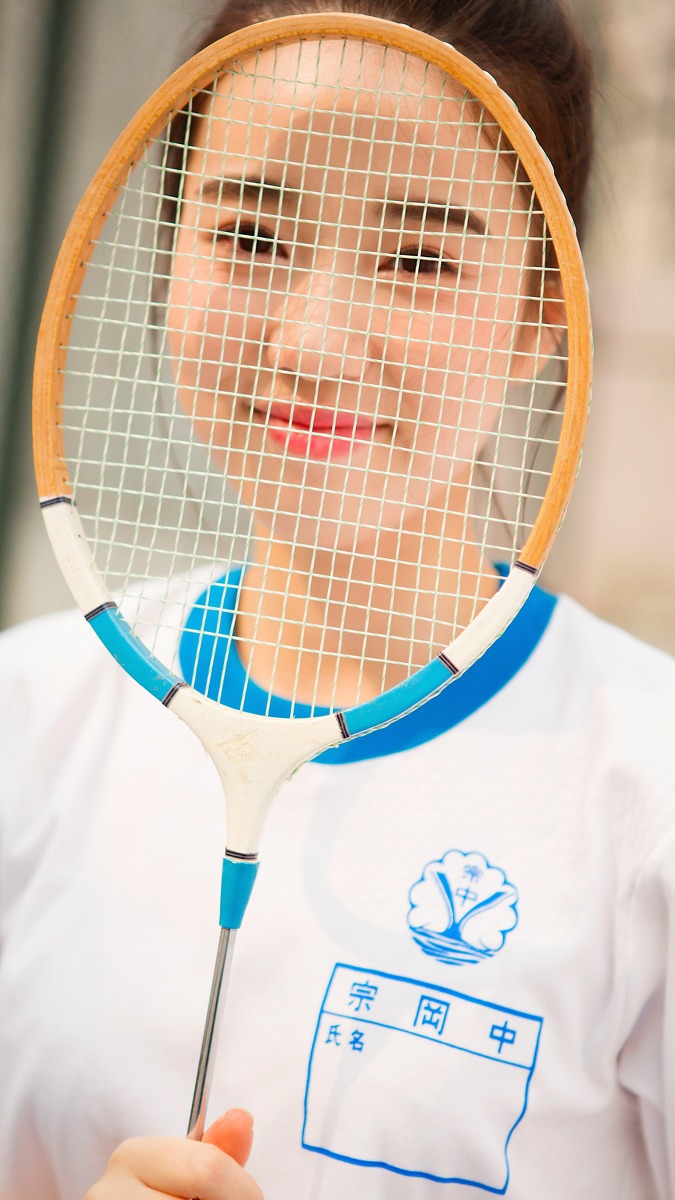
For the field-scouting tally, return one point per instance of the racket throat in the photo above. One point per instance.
(254, 756)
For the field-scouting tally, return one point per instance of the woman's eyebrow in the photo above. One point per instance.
(443, 214)
(247, 187)
(259, 189)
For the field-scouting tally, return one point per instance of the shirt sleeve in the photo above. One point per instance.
(46, 676)
(647, 1060)
(16, 753)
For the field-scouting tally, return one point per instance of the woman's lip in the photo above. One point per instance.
(309, 433)
(317, 420)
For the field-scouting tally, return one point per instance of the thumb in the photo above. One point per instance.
(232, 1133)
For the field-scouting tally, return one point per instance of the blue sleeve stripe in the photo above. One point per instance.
(400, 699)
(118, 638)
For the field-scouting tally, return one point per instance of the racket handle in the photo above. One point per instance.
(221, 973)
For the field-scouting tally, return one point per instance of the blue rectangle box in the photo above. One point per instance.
(424, 1081)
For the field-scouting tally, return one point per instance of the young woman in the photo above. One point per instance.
(522, 1047)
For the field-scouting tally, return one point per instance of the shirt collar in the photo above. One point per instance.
(209, 661)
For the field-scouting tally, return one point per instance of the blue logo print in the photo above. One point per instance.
(462, 908)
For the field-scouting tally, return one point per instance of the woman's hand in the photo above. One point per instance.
(180, 1169)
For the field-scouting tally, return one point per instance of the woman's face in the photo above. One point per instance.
(347, 282)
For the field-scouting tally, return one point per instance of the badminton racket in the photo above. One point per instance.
(310, 392)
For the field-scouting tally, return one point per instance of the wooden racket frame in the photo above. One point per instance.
(172, 96)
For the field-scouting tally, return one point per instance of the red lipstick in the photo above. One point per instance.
(307, 432)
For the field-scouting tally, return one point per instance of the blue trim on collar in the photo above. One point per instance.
(209, 661)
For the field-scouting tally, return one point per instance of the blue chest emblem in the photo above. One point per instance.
(462, 908)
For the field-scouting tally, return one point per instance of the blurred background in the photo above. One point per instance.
(72, 73)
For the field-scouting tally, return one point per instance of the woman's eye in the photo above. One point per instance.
(421, 260)
(250, 240)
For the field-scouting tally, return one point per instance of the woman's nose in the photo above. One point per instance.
(322, 329)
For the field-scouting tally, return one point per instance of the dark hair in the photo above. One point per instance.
(533, 48)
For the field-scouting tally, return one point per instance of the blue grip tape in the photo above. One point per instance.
(235, 890)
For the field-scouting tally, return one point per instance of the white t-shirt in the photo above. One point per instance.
(455, 975)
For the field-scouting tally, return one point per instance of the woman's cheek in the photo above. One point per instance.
(210, 352)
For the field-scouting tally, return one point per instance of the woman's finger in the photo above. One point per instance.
(180, 1167)
(232, 1133)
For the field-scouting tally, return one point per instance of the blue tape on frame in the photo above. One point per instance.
(117, 637)
(406, 695)
(235, 890)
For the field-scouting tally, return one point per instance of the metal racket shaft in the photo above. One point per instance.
(221, 973)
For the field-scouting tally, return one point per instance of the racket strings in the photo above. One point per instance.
(167, 472)
(367, 590)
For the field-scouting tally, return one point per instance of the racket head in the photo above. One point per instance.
(74, 430)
